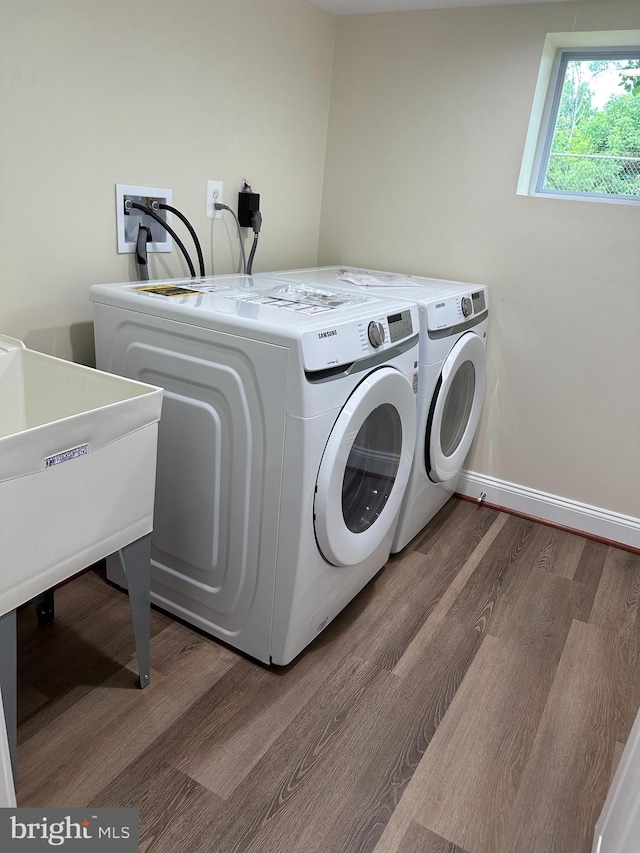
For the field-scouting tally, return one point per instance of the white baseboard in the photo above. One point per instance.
(583, 518)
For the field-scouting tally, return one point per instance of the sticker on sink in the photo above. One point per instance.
(66, 455)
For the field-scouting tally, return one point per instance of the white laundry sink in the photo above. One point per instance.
(77, 468)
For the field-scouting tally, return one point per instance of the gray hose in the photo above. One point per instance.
(144, 236)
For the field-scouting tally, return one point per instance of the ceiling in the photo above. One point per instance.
(357, 7)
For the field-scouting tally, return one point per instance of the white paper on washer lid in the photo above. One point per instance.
(304, 298)
(378, 279)
(314, 295)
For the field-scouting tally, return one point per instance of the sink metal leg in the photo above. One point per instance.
(9, 682)
(136, 559)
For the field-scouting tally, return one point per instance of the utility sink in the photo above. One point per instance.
(77, 468)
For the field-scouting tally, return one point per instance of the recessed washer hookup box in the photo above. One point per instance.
(77, 468)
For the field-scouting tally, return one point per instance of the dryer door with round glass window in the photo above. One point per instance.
(365, 468)
(455, 408)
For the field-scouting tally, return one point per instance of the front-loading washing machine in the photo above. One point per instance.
(452, 377)
(284, 449)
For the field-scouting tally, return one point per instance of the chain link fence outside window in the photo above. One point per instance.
(593, 173)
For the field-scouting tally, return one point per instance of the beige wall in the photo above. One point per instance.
(158, 93)
(429, 113)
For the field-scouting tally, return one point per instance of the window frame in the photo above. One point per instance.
(559, 49)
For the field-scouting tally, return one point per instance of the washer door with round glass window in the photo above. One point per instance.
(455, 408)
(365, 468)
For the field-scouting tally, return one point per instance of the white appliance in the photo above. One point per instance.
(284, 448)
(452, 377)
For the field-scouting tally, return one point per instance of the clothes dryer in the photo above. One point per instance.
(452, 377)
(284, 450)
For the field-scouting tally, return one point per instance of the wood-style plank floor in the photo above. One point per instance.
(474, 698)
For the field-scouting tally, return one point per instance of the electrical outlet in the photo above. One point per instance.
(214, 194)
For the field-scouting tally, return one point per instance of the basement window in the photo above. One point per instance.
(584, 134)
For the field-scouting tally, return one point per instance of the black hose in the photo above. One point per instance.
(251, 254)
(256, 224)
(191, 230)
(169, 230)
(144, 237)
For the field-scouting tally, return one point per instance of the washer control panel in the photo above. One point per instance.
(451, 311)
(400, 326)
(350, 341)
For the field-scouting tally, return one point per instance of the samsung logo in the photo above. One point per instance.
(328, 334)
(440, 304)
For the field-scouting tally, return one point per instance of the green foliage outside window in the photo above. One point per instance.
(596, 149)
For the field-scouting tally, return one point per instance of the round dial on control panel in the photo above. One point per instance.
(467, 306)
(376, 333)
